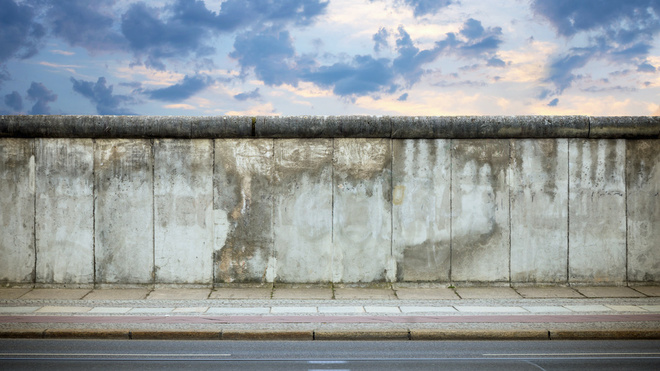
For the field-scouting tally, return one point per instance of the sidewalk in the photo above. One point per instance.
(412, 312)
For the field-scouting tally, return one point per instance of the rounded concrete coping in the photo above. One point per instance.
(396, 127)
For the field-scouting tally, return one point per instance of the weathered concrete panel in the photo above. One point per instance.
(123, 175)
(243, 210)
(480, 211)
(362, 211)
(539, 210)
(183, 198)
(64, 211)
(421, 209)
(643, 178)
(597, 211)
(17, 186)
(303, 210)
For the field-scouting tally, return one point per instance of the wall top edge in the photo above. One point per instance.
(396, 127)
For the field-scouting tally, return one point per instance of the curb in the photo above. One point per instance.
(415, 335)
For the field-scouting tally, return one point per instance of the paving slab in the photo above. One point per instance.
(190, 310)
(59, 309)
(303, 293)
(414, 309)
(110, 310)
(384, 310)
(483, 309)
(179, 294)
(626, 308)
(609, 292)
(588, 308)
(13, 293)
(118, 294)
(251, 310)
(278, 310)
(241, 293)
(150, 310)
(341, 310)
(547, 309)
(651, 308)
(55, 294)
(648, 290)
(547, 292)
(426, 293)
(352, 293)
(487, 293)
(4, 310)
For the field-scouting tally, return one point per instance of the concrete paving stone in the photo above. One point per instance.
(609, 292)
(179, 294)
(626, 308)
(58, 309)
(55, 294)
(651, 308)
(480, 309)
(648, 290)
(150, 310)
(406, 309)
(547, 309)
(117, 294)
(190, 309)
(4, 310)
(234, 310)
(351, 293)
(12, 293)
(110, 310)
(241, 293)
(278, 310)
(547, 292)
(303, 293)
(371, 309)
(487, 293)
(587, 308)
(341, 310)
(426, 294)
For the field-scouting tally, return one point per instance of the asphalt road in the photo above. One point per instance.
(331, 355)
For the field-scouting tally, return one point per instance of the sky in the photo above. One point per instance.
(330, 57)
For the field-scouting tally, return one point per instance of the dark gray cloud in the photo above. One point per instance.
(42, 96)
(619, 31)
(14, 101)
(254, 94)
(424, 7)
(270, 53)
(20, 34)
(84, 23)
(101, 96)
(188, 87)
(380, 39)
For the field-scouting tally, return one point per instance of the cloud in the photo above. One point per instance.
(380, 39)
(84, 23)
(619, 31)
(101, 95)
(553, 103)
(362, 76)
(41, 96)
(254, 94)
(646, 67)
(20, 35)
(270, 53)
(495, 62)
(424, 7)
(410, 60)
(186, 26)
(185, 89)
(14, 101)
(403, 97)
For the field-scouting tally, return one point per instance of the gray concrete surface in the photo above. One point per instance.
(17, 210)
(597, 211)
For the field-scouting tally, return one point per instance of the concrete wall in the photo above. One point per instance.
(229, 206)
